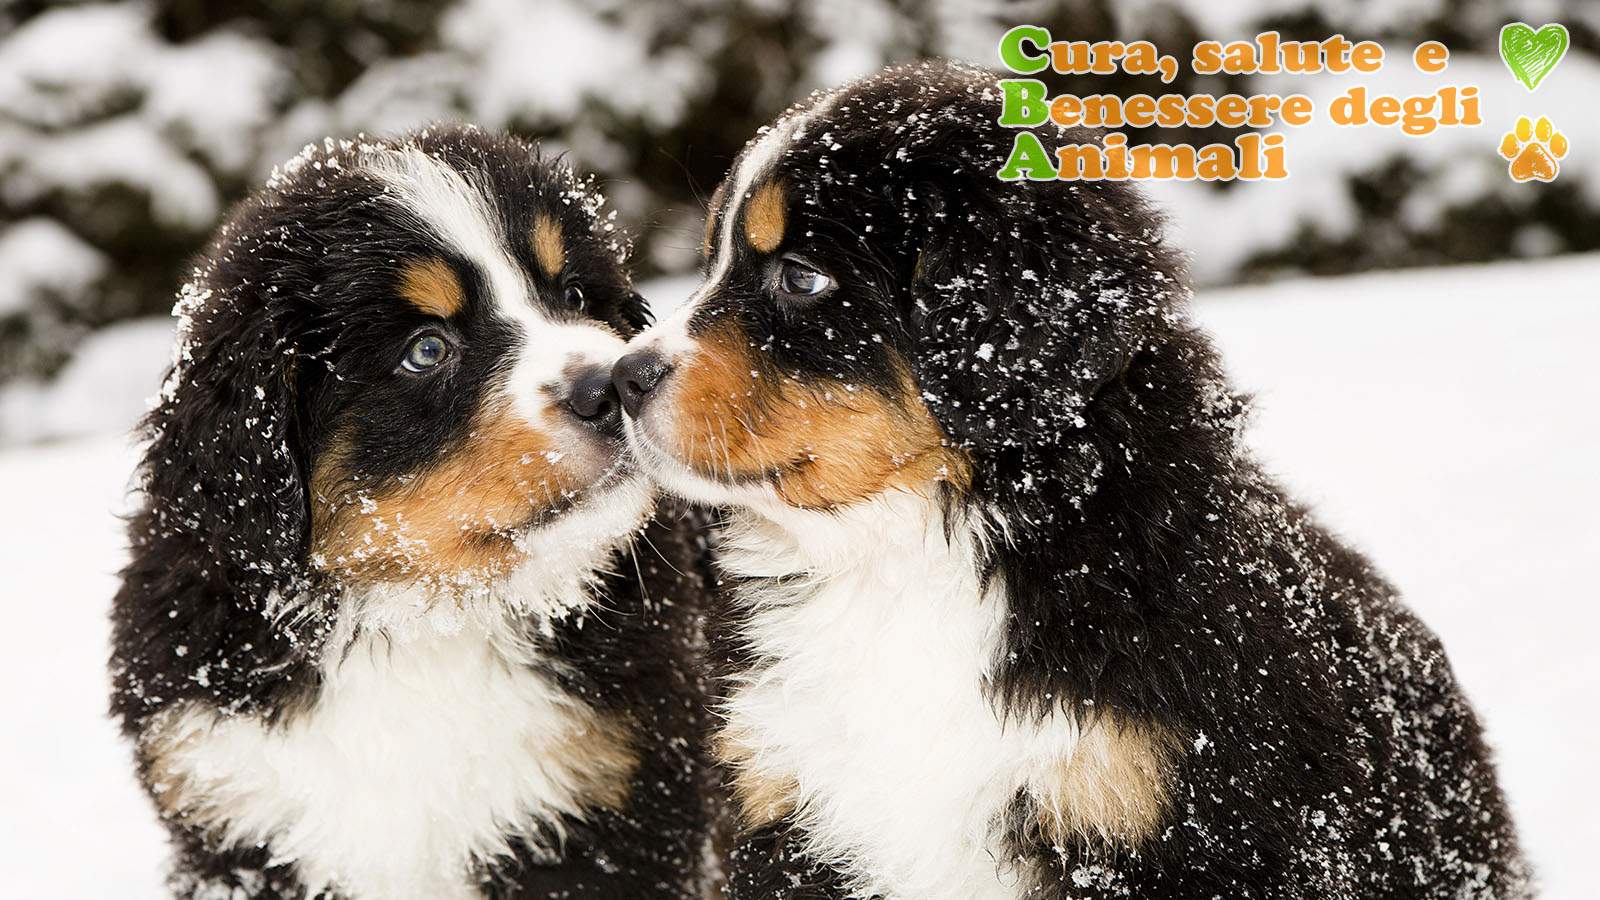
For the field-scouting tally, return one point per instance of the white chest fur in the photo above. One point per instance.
(417, 759)
(873, 703)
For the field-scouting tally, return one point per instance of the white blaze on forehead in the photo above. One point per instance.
(464, 216)
(755, 162)
(753, 165)
(670, 336)
(459, 212)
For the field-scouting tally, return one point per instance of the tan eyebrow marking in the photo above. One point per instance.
(549, 248)
(764, 218)
(710, 239)
(432, 286)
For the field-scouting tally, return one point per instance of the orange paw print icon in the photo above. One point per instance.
(1534, 150)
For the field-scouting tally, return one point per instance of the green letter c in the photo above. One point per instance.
(1012, 54)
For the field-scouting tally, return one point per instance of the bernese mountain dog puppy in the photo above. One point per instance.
(1015, 613)
(401, 620)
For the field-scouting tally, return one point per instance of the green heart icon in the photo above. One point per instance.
(1529, 54)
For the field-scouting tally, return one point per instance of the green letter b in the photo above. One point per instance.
(1022, 103)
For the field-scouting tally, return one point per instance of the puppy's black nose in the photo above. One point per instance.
(594, 401)
(636, 374)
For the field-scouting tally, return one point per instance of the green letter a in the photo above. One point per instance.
(1028, 160)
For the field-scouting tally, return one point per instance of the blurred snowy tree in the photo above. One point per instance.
(126, 128)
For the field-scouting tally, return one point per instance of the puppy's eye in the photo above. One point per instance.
(800, 280)
(573, 296)
(426, 352)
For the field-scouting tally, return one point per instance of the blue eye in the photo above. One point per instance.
(425, 352)
(796, 279)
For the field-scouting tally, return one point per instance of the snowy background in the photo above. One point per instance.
(1443, 418)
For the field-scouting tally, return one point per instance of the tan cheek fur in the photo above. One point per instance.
(821, 444)
(454, 518)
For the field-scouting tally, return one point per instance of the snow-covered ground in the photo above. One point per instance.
(1445, 421)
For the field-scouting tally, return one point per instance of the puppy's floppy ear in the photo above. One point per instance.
(218, 568)
(227, 461)
(1028, 299)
